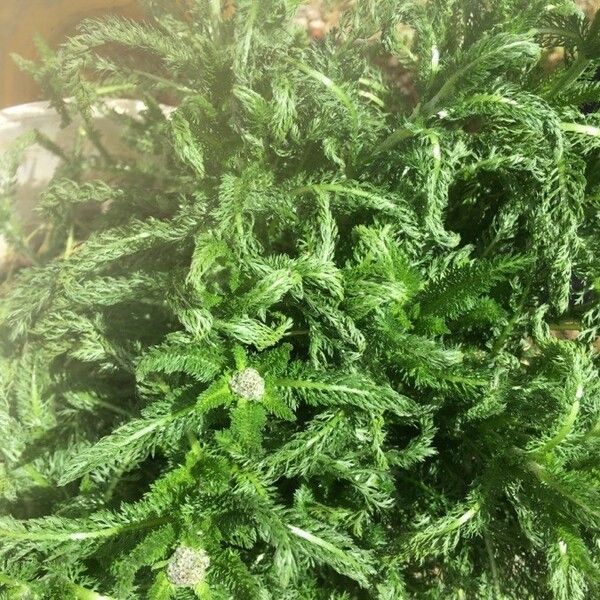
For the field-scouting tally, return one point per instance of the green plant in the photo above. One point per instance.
(296, 342)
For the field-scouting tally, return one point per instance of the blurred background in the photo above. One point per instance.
(53, 20)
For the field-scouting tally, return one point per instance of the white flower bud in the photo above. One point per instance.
(187, 567)
(248, 384)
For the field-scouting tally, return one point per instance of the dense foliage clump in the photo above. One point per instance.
(293, 340)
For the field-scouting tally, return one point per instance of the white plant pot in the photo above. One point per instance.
(39, 164)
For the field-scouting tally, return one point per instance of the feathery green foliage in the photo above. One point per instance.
(391, 267)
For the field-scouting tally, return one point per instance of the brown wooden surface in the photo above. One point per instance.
(53, 20)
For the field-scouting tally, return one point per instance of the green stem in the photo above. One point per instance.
(569, 76)
(563, 432)
(449, 84)
(508, 328)
(464, 518)
(545, 476)
(394, 138)
(63, 536)
(345, 190)
(164, 81)
(501, 339)
(297, 332)
(317, 385)
(215, 13)
(112, 407)
(114, 481)
(593, 432)
(581, 128)
(6, 580)
(164, 420)
(82, 593)
(493, 566)
(338, 92)
(321, 543)
(94, 137)
(492, 245)
(109, 90)
(36, 476)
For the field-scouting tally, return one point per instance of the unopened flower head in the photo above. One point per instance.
(187, 567)
(248, 384)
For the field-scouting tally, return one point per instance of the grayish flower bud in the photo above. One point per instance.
(187, 567)
(248, 384)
